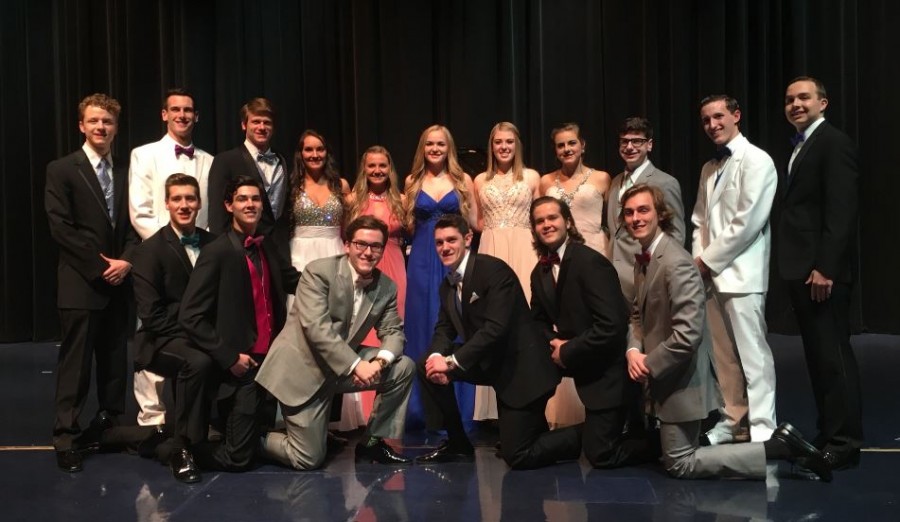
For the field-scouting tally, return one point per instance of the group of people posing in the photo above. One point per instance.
(582, 321)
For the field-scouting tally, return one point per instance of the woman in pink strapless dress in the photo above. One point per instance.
(375, 193)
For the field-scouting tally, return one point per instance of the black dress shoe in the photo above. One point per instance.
(89, 440)
(69, 460)
(183, 467)
(334, 444)
(147, 447)
(381, 453)
(803, 453)
(446, 453)
(841, 460)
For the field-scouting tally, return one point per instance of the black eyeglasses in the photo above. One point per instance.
(361, 246)
(637, 142)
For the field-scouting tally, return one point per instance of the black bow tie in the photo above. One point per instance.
(797, 139)
(192, 240)
(722, 153)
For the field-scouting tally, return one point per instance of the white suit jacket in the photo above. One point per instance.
(731, 218)
(150, 165)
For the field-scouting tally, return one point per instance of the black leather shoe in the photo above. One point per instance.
(69, 460)
(183, 467)
(841, 460)
(147, 447)
(381, 453)
(803, 453)
(334, 444)
(446, 453)
(89, 440)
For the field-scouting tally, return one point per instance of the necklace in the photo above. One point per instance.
(568, 196)
(377, 197)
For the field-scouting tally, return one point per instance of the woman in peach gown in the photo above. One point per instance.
(504, 195)
(375, 193)
(584, 190)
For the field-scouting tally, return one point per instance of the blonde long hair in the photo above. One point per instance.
(457, 176)
(518, 166)
(361, 188)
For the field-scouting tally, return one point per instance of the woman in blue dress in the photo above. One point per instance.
(435, 186)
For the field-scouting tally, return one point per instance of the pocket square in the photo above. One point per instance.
(473, 298)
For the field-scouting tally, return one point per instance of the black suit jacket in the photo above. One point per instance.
(816, 226)
(161, 272)
(217, 310)
(587, 308)
(235, 162)
(80, 225)
(502, 347)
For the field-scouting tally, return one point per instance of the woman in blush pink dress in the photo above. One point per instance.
(375, 193)
(584, 189)
(504, 195)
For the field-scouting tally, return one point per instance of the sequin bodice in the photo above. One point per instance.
(505, 203)
(308, 214)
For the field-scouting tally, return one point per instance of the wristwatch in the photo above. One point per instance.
(451, 364)
(381, 362)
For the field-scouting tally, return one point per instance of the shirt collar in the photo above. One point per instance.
(812, 126)
(354, 275)
(251, 148)
(561, 251)
(93, 157)
(170, 142)
(640, 170)
(655, 242)
(461, 269)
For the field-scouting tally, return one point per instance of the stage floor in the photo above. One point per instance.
(121, 487)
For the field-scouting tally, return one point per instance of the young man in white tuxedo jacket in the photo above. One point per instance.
(731, 247)
(150, 165)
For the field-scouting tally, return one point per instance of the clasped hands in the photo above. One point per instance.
(436, 369)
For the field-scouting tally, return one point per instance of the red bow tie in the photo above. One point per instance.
(549, 260)
(253, 241)
(643, 258)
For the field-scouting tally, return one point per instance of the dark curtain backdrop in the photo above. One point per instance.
(379, 71)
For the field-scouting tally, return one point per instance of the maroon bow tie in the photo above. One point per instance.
(549, 260)
(187, 151)
(253, 241)
(643, 258)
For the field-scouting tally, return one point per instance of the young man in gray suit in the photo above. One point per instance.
(339, 300)
(669, 355)
(635, 144)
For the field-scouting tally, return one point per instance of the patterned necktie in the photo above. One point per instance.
(187, 151)
(106, 185)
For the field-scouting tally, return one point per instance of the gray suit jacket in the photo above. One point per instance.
(622, 246)
(668, 323)
(319, 343)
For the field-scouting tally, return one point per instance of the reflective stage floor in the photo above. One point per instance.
(120, 487)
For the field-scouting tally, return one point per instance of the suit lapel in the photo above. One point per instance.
(616, 203)
(89, 176)
(548, 289)
(802, 153)
(370, 294)
(652, 270)
(564, 264)
(253, 169)
(175, 245)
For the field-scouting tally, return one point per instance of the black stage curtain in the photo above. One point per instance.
(379, 71)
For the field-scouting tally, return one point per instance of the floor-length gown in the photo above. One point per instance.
(424, 275)
(505, 205)
(565, 407)
(392, 265)
(317, 234)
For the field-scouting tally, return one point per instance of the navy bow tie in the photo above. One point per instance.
(722, 153)
(267, 157)
(187, 151)
(797, 139)
(192, 240)
(454, 278)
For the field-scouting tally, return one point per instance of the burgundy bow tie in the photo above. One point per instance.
(549, 260)
(253, 241)
(643, 258)
(187, 151)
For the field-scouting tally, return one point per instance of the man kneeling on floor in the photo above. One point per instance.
(339, 300)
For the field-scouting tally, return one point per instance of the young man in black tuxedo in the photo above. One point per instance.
(577, 299)
(232, 309)
(86, 200)
(162, 267)
(815, 241)
(483, 303)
